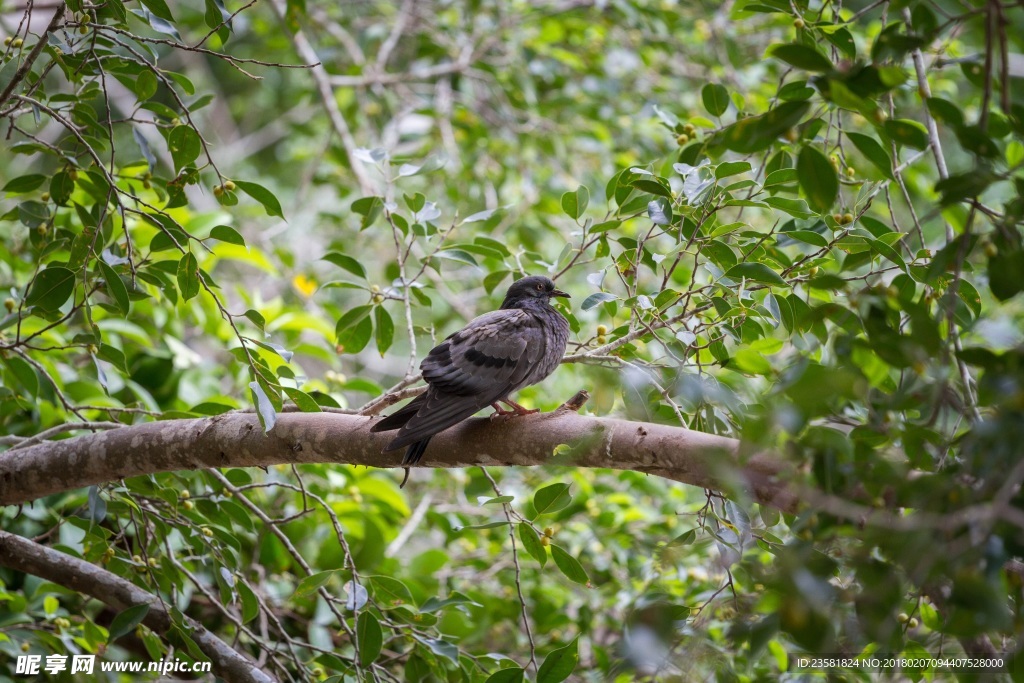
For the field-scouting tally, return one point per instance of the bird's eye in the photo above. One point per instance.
(540, 287)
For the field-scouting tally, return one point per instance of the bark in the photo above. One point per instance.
(25, 556)
(237, 440)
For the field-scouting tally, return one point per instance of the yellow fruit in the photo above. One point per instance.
(682, 139)
(185, 495)
(7, 41)
(374, 288)
(689, 129)
(25, 647)
(218, 191)
(73, 174)
(545, 541)
(9, 304)
(152, 562)
(378, 298)
(798, 23)
(602, 330)
(913, 623)
(45, 196)
(83, 29)
(990, 250)
(902, 617)
(17, 42)
(847, 218)
(188, 505)
(208, 532)
(549, 532)
(229, 186)
(792, 135)
(850, 172)
(137, 558)
(813, 271)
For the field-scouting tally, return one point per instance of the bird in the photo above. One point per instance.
(493, 356)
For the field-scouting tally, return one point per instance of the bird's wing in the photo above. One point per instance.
(482, 363)
(493, 352)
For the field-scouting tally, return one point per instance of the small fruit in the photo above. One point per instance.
(7, 41)
(902, 617)
(188, 504)
(834, 161)
(375, 289)
(378, 298)
(185, 495)
(218, 191)
(45, 196)
(25, 647)
(9, 304)
(83, 29)
(137, 559)
(229, 185)
(73, 174)
(690, 129)
(682, 139)
(847, 218)
(798, 23)
(208, 532)
(990, 250)
(602, 330)
(813, 271)
(913, 623)
(549, 532)
(792, 135)
(850, 171)
(837, 217)
(17, 42)
(545, 541)
(152, 562)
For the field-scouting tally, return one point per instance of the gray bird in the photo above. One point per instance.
(493, 356)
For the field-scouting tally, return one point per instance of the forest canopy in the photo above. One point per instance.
(788, 421)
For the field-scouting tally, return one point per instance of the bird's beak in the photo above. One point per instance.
(558, 292)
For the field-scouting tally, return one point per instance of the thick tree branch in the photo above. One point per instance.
(237, 440)
(25, 556)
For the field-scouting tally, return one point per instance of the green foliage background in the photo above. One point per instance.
(798, 224)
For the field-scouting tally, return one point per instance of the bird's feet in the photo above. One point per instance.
(516, 409)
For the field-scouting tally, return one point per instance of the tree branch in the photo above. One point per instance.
(237, 440)
(25, 556)
(37, 49)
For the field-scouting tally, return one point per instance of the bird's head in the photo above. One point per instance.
(532, 287)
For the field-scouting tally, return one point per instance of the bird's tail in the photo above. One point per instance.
(398, 419)
(412, 456)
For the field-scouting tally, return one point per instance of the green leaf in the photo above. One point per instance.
(51, 288)
(303, 400)
(907, 132)
(597, 298)
(115, 287)
(808, 236)
(347, 262)
(755, 133)
(25, 374)
(575, 203)
(355, 329)
(873, 152)
(510, 675)
(460, 255)
(264, 406)
(263, 196)
(188, 276)
(159, 8)
(310, 584)
(731, 168)
(227, 234)
(145, 85)
(126, 621)
(25, 183)
(370, 208)
(715, 98)
(250, 604)
(532, 544)
(755, 271)
(61, 187)
(385, 329)
(185, 146)
(569, 565)
(551, 498)
(800, 56)
(370, 637)
(559, 664)
(817, 179)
